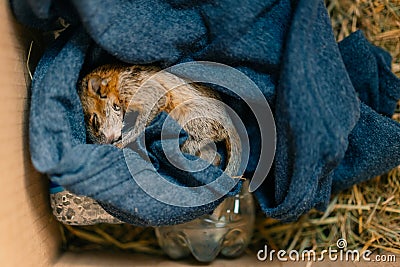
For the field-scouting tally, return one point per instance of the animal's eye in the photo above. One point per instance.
(95, 122)
(104, 82)
(116, 107)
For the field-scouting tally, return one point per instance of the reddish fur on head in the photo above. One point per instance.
(102, 106)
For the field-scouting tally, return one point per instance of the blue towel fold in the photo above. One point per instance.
(331, 102)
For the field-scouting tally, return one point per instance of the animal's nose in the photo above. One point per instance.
(115, 138)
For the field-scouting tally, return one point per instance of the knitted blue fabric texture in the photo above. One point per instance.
(332, 102)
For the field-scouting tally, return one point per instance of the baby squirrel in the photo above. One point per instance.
(110, 91)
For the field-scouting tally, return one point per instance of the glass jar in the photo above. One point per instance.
(227, 230)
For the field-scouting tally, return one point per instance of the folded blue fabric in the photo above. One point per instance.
(331, 101)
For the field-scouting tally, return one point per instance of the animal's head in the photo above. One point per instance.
(102, 106)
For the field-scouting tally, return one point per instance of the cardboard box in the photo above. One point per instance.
(29, 234)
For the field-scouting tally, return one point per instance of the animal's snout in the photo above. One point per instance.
(118, 139)
(114, 138)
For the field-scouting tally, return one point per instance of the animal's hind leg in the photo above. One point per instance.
(207, 152)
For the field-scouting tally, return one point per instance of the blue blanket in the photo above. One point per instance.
(332, 102)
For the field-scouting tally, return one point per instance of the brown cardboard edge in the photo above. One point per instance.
(29, 234)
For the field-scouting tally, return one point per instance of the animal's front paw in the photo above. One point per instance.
(119, 144)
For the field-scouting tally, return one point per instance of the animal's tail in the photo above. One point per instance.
(234, 153)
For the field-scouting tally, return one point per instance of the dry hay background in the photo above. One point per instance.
(367, 215)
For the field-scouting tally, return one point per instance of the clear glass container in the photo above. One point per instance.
(226, 231)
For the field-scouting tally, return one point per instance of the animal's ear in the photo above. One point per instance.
(94, 84)
(98, 86)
